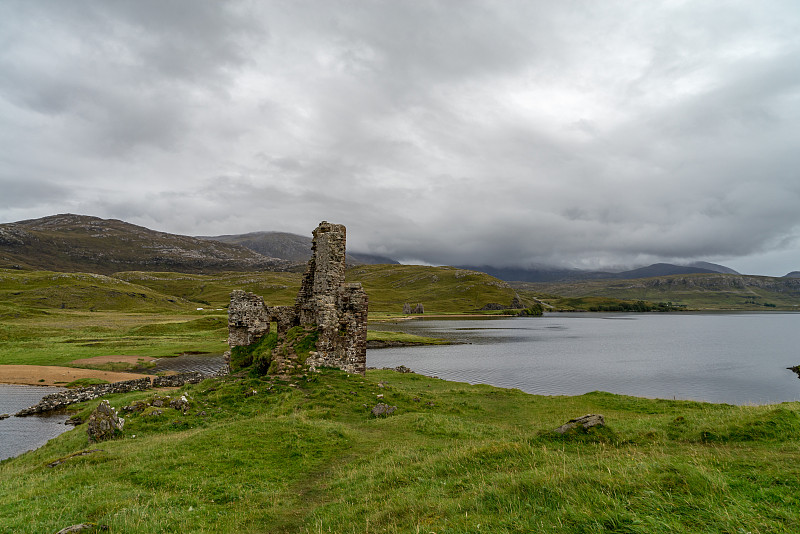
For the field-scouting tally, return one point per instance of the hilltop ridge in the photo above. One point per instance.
(82, 243)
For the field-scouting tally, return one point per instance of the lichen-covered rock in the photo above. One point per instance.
(383, 410)
(135, 406)
(584, 423)
(81, 527)
(104, 423)
(181, 404)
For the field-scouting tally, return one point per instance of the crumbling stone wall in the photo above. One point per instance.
(285, 317)
(337, 310)
(248, 318)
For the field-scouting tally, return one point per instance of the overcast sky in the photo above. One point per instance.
(574, 133)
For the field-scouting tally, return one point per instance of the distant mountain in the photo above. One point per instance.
(659, 269)
(547, 274)
(793, 274)
(79, 243)
(713, 267)
(292, 247)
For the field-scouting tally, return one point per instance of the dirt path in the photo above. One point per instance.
(51, 375)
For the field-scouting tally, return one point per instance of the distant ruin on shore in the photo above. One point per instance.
(337, 310)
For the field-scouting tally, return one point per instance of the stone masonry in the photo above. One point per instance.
(338, 310)
(248, 318)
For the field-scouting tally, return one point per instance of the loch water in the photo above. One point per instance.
(20, 434)
(735, 358)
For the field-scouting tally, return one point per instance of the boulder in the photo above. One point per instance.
(104, 423)
(82, 527)
(584, 423)
(383, 410)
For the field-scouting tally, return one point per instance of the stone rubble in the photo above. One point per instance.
(383, 410)
(56, 401)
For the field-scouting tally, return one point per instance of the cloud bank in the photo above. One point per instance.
(578, 134)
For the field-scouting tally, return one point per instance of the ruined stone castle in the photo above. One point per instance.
(336, 309)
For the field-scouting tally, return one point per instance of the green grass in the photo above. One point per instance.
(49, 318)
(28, 293)
(214, 290)
(85, 382)
(61, 336)
(438, 289)
(403, 338)
(260, 455)
(267, 456)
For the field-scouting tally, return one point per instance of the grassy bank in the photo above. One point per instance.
(266, 456)
(49, 318)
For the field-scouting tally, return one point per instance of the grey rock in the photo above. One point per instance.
(104, 423)
(383, 410)
(585, 423)
(77, 528)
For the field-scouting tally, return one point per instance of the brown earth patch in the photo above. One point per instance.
(51, 375)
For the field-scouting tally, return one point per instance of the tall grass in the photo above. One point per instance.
(255, 455)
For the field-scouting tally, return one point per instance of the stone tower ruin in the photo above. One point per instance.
(336, 309)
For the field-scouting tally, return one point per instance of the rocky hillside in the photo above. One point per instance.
(701, 291)
(291, 247)
(79, 243)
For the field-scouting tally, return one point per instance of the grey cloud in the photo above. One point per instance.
(510, 133)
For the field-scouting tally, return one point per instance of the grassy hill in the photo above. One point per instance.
(253, 455)
(438, 289)
(214, 290)
(79, 243)
(696, 291)
(51, 318)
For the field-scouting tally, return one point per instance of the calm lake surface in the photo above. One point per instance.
(20, 434)
(736, 358)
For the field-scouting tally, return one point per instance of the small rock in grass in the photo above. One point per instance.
(104, 423)
(383, 410)
(585, 422)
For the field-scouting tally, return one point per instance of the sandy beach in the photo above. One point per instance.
(52, 375)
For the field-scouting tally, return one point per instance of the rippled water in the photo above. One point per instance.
(201, 363)
(737, 358)
(20, 434)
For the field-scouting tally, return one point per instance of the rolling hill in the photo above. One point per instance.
(79, 243)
